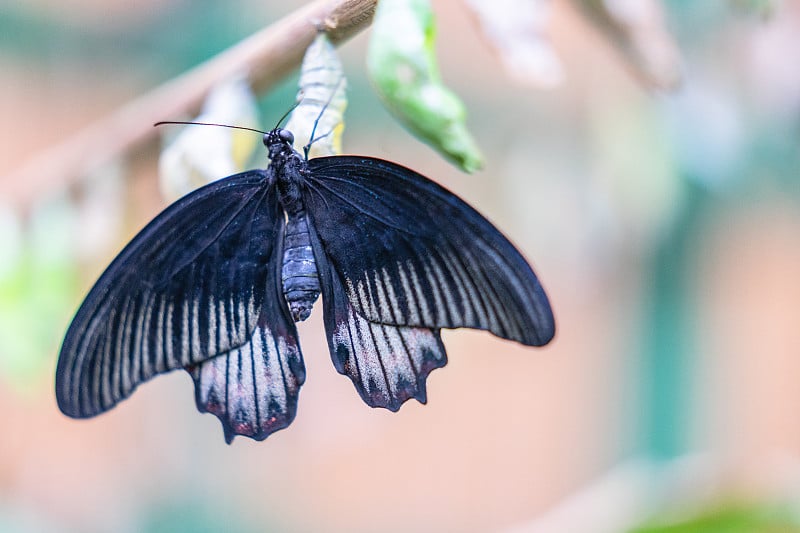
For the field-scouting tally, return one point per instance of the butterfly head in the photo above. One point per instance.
(279, 143)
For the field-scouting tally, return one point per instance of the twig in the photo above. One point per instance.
(266, 57)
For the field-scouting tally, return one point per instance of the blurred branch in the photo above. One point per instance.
(266, 57)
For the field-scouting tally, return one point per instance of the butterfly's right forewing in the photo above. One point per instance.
(188, 287)
(411, 253)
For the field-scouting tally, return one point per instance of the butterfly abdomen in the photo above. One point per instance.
(299, 271)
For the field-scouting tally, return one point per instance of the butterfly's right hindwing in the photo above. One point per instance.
(191, 285)
(387, 364)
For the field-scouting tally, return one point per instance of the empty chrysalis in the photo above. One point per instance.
(197, 156)
(322, 100)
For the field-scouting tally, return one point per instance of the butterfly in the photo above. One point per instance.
(215, 283)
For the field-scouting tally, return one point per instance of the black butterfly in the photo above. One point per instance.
(215, 283)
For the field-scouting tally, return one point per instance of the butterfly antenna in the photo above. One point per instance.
(311, 141)
(278, 125)
(163, 122)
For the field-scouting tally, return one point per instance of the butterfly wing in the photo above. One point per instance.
(253, 388)
(191, 285)
(411, 253)
(387, 364)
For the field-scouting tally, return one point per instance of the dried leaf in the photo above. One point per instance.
(637, 29)
(518, 32)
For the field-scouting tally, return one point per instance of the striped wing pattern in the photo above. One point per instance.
(199, 288)
(188, 287)
(387, 364)
(411, 253)
(253, 388)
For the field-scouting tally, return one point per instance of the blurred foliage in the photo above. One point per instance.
(669, 333)
(38, 281)
(729, 518)
(761, 168)
(194, 516)
(33, 300)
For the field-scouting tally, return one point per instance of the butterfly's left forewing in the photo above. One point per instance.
(190, 286)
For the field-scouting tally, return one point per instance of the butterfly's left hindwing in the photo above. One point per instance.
(190, 286)
(253, 388)
(411, 253)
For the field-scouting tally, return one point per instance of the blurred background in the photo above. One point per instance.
(648, 167)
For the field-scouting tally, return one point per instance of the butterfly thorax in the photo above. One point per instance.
(287, 167)
(299, 276)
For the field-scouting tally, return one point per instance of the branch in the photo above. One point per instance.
(266, 57)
